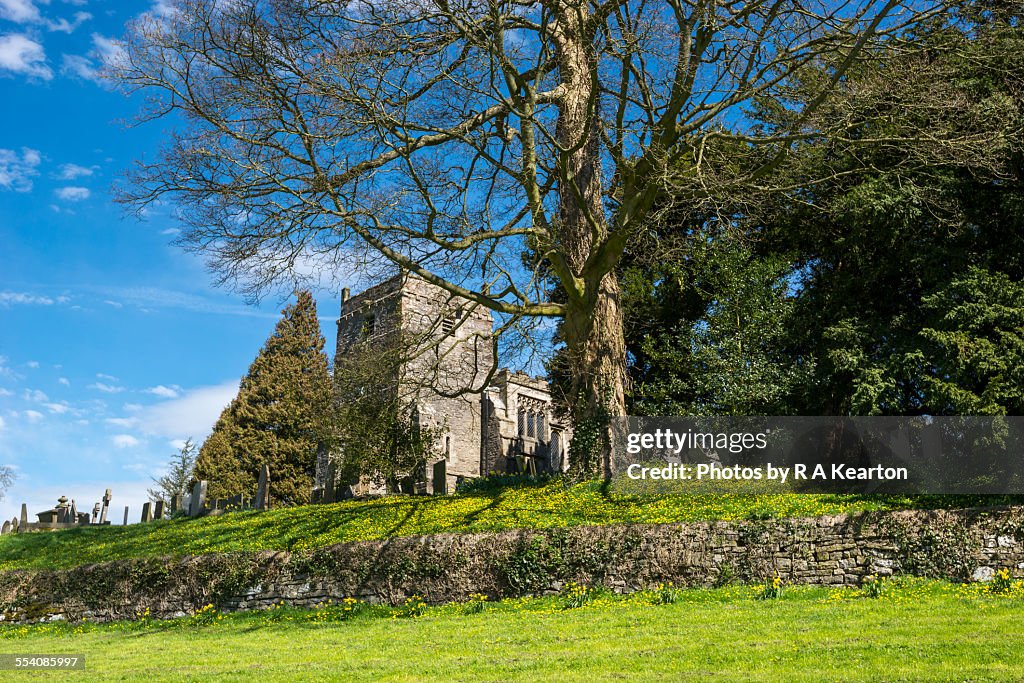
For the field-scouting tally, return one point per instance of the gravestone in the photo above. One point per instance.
(24, 516)
(178, 503)
(330, 485)
(14, 526)
(147, 512)
(73, 513)
(126, 515)
(440, 479)
(96, 513)
(158, 513)
(106, 504)
(198, 501)
(6, 528)
(263, 489)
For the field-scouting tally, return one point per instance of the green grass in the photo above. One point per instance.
(916, 631)
(549, 505)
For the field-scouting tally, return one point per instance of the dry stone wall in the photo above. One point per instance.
(961, 545)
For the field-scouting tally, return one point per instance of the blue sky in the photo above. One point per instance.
(114, 345)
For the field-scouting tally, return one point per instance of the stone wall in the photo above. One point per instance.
(961, 545)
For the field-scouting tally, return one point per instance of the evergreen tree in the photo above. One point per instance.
(279, 417)
(179, 475)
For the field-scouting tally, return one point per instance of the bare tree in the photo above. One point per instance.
(449, 136)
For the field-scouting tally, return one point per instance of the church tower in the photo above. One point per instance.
(445, 345)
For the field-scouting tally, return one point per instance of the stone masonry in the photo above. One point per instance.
(960, 545)
(491, 420)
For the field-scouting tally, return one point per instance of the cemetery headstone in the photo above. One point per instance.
(263, 489)
(14, 525)
(106, 504)
(6, 528)
(24, 515)
(147, 512)
(331, 486)
(96, 513)
(158, 513)
(198, 501)
(126, 515)
(440, 479)
(177, 503)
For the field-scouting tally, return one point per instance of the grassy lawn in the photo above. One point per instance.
(550, 505)
(916, 631)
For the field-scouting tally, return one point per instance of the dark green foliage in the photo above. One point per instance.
(280, 416)
(886, 278)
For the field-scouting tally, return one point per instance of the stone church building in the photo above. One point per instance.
(491, 420)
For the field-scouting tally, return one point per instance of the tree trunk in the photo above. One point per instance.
(592, 330)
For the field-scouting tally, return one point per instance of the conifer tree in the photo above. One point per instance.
(278, 417)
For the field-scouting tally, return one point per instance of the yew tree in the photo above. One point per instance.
(280, 416)
(448, 137)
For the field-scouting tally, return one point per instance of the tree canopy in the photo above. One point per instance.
(446, 137)
(280, 416)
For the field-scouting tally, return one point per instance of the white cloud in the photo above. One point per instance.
(163, 8)
(115, 304)
(24, 298)
(64, 381)
(19, 54)
(34, 364)
(16, 170)
(190, 415)
(124, 441)
(26, 12)
(35, 395)
(6, 392)
(72, 171)
(2, 423)
(65, 26)
(161, 390)
(123, 422)
(33, 416)
(105, 52)
(106, 388)
(73, 193)
(19, 11)
(170, 231)
(58, 408)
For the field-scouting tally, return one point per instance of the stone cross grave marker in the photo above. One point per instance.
(106, 504)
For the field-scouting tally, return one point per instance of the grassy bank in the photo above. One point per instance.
(550, 505)
(915, 631)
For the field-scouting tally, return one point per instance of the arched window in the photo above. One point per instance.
(555, 452)
(541, 433)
